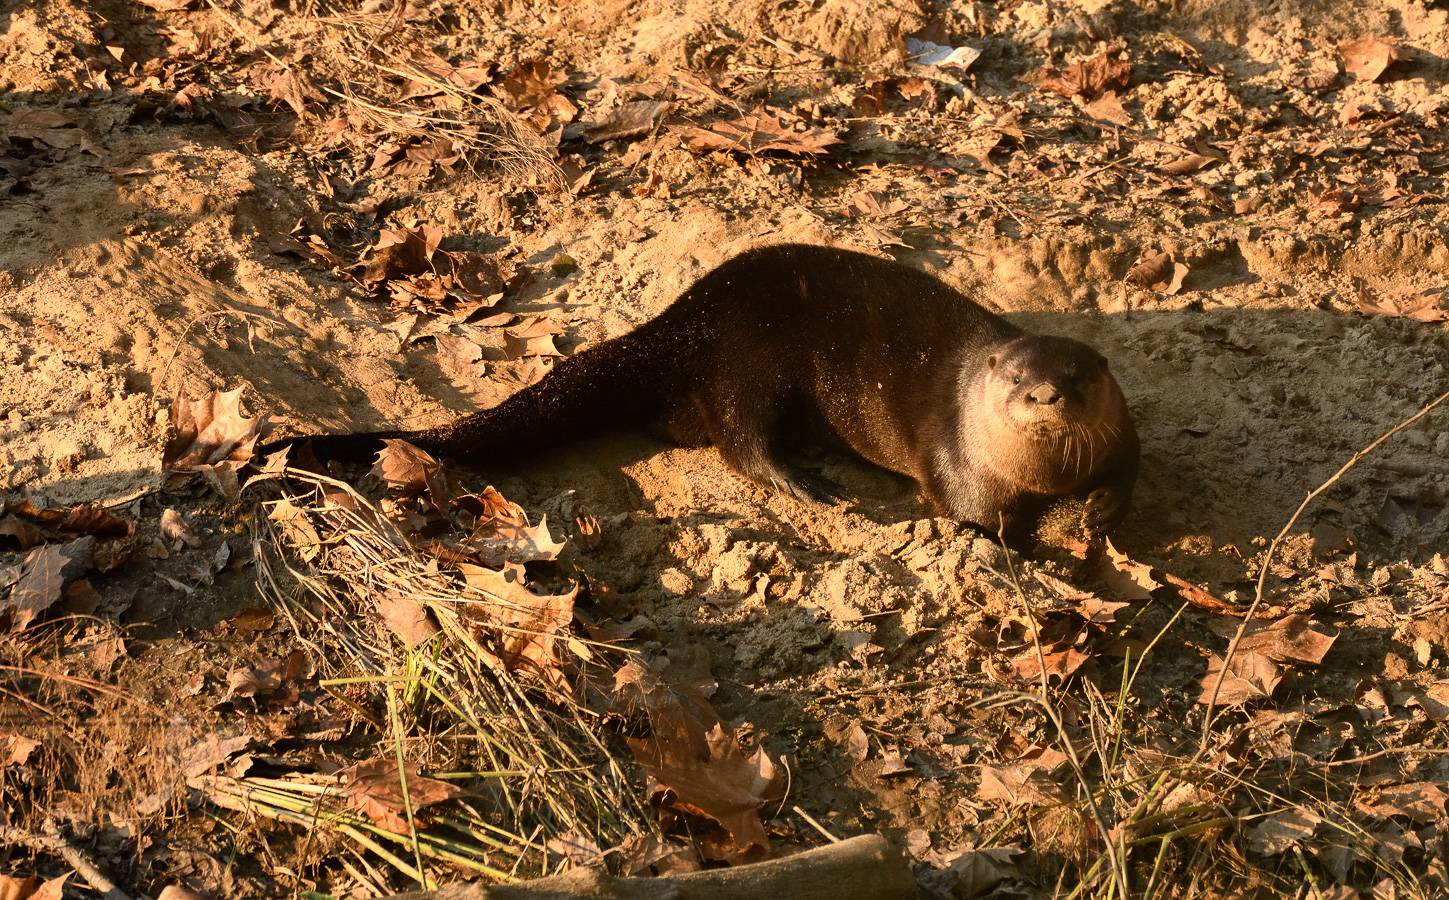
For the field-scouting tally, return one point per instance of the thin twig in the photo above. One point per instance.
(1268, 559)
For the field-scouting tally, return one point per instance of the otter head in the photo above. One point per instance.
(1051, 409)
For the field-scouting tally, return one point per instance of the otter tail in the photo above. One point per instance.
(620, 382)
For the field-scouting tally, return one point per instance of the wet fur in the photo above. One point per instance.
(901, 366)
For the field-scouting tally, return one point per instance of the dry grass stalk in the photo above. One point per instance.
(547, 766)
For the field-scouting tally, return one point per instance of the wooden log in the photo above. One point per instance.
(861, 868)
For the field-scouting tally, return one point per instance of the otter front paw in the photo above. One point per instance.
(1105, 509)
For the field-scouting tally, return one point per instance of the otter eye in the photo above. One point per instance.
(1016, 379)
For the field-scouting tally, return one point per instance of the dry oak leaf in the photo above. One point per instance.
(1156, 271)
(762, 132)
(1367, 58)
(1090, 79)
(709, 775)
(375, 790)
(213, 438)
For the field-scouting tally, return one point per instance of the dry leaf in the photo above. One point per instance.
(1367, 58)
(1107, 71)
(1157, 272)
(926, 53)
(629, 120)
(15, 750)
(1424, 306)
(22, 532)
(531, 337)
(756, 134)
(1293, 638)
(1020, 784)
(1251, 676)
(1127, 579)
(213, 438)
(375, 790)
(709, 775)
(44, 574)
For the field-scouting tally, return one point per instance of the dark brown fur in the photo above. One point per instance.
(994, 423)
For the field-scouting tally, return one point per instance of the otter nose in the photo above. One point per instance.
(1044, 394)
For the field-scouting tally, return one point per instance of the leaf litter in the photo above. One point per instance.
(861, 630)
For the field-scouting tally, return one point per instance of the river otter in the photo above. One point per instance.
(996, 424)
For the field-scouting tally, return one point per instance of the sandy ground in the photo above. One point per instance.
(136, 266)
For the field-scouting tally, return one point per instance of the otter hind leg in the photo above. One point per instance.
(748, 429)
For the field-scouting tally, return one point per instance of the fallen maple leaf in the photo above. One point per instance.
(1021, 784)
(212, 438)
(926, 53)
(287, 85)
(406, 618)
(1062, 662)
(1251, 676)
(22, 532)
(1127, 579)
(1422, 802)
(15, 750)
(1293, 638)
(44, 574)
(528, 626)
(1367, 58)
(532, 89)
(709, 775)
(410, 472)
(1107, 71)
(51, 129)
(375, 790)
(400, 253)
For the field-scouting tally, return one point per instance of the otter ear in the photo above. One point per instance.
(1102, 363)
(991, 361)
